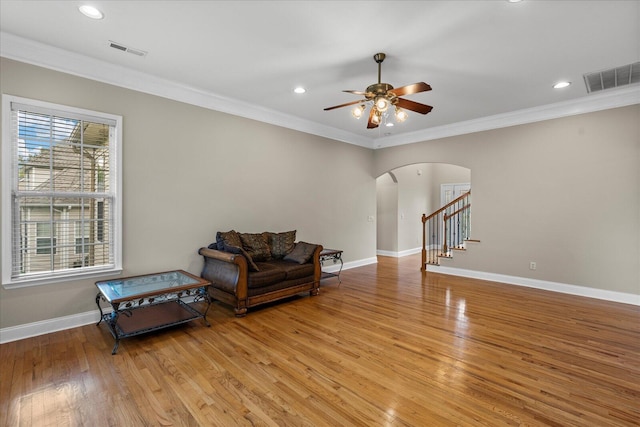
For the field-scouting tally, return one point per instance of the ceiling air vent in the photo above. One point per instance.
(615, 77)
(124, 48)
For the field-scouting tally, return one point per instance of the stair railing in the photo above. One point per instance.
(446, 229)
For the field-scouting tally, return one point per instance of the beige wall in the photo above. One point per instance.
(189, 171)
(387, 208)
(564, 193)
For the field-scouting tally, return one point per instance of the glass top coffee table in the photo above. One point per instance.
(146, 303)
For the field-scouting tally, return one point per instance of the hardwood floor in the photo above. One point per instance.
(390, 346)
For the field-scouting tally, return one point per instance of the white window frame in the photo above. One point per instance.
(7, 188)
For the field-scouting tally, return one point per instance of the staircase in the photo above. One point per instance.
(446, 230)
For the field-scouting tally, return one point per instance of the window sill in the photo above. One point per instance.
(66, 276)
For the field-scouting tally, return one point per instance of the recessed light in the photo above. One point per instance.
(90, 12)
(561, 85)
(299, 89)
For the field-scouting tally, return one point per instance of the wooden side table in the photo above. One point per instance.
(334, 255)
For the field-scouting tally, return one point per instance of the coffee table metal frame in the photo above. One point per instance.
(151, 302)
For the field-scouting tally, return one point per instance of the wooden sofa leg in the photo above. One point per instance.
(240, 311)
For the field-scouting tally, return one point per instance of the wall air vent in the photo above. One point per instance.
(127, 49)
(612, 78)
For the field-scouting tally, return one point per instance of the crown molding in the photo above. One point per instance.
(598, 101)
(43, 55)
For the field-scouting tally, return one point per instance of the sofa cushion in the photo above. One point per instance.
(301, 253)
(268, 274)
(252, 292)
(256, 246)
(231, 238)
(280, 244)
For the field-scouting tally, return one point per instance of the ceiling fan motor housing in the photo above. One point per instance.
(378, 89)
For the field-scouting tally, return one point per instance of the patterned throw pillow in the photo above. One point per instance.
(280, 244)
(238, 250)
(301, 253)
(256, 246)
(228, 238)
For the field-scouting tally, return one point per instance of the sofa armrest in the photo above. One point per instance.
(317, 266)
(225, 271)
(216, 254)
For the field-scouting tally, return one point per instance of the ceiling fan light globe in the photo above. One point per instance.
(401, 115)
(358, 111)
(382, 103)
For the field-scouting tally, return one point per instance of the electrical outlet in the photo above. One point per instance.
(532, 265)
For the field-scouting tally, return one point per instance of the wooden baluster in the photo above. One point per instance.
(444, 241)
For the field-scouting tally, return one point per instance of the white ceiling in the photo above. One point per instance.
(490, 63)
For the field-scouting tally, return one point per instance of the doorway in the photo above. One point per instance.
(449, 192)
(457, 227)
(404, 194)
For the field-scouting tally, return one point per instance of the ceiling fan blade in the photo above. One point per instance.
(414, 106)
(356, 92)
(345, 105)
(409, 89)
(370, 123)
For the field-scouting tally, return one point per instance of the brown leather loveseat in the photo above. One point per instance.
(249, 269)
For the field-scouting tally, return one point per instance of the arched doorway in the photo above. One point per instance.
(403, 195)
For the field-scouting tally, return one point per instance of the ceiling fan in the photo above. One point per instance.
(383, 95)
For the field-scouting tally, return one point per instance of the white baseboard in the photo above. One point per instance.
(15, 333)
(334, 268)
(400, 254)
(564, 288)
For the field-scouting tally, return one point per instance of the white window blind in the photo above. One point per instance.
(63, 219)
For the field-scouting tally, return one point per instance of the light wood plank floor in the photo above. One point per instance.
(389, 347)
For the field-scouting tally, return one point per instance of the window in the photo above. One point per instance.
(100, 224)
(61, 192)
(83, 239)
(45, 239)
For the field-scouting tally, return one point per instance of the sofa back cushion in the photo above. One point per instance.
(294, 270)
(256, 246)
(280, 244)
(228, 238)
(229, 241)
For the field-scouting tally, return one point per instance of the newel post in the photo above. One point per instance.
(423, 266)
